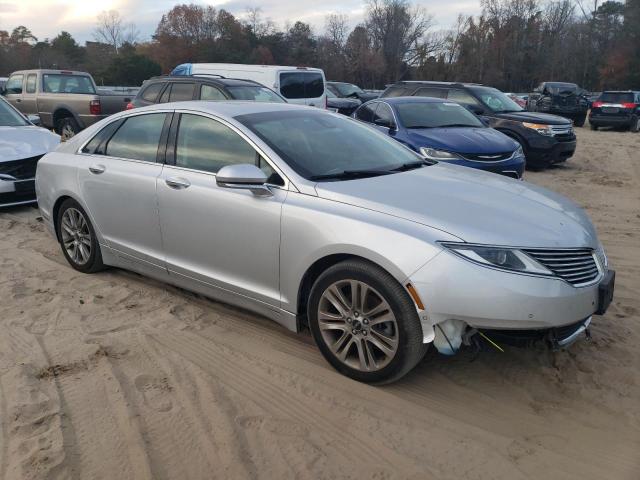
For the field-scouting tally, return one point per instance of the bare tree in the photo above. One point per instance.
(337, 28)
(112, 30)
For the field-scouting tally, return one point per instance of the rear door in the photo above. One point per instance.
(303, 87)
(117, 178)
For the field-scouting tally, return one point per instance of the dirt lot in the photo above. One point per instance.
(113, 376)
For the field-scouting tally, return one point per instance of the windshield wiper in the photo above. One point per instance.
(453, 125)
(410, 166)
(350, 174)
(420, 126)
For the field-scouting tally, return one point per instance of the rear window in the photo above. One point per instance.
(62, 83)
(150, 93)
(617, 97)
(301, 84)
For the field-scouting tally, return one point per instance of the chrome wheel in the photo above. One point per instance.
(358, 325)
(76, 236)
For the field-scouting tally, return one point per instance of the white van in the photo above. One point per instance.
(301, 85)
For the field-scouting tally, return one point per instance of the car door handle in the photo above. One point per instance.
(97, 169)
(18, 100)
(177, 183)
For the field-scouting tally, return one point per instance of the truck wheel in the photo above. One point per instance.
(635, 124)
(593, 127)
(67, 128)
(579, 122)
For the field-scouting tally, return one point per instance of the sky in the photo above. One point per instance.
(46, 18)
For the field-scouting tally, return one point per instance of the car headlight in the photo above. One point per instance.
(541, 128)
(503, 258)
(433, 154)
(519, 152)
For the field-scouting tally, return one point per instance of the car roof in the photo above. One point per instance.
(399, 100)
(226, 108)
(205, 78)
(435, 83)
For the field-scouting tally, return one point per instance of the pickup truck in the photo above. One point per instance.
(66, 101)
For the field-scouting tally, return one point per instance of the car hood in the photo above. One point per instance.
(25, 142)
(532, 117)
(475, 206)
(463, 140)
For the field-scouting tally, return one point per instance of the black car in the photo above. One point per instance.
(345, 106)
(201, 87)
(546, 139)
(565, 99)
(349, 90)
(616, 109)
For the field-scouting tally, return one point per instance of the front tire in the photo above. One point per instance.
(365, 323)
(78, 238)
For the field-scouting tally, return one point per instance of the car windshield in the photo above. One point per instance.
(617, 97)
(317, 144)
(435, 114)
(9, 117)
(496, 100)
(347, 89)
(255, 93)
(67, 83)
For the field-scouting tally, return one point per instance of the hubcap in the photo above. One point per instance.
(358, 325)
(76, 236)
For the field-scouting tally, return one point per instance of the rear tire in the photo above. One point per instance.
(593, 127)
(365, 323)
(635, 124)
(77, 238)
(67, 128)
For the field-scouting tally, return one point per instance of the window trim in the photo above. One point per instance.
(173, 141)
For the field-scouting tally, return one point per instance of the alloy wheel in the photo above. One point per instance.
(358, 325)
(67, 132)
(76, 236)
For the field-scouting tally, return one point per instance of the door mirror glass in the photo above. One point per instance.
(243, 176)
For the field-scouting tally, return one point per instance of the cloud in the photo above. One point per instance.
(47, 18)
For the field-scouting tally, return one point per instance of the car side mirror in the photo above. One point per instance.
(244, 176)
(35, 119)
(381, 122)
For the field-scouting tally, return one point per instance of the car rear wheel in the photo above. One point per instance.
(78, 238)
(593, 127)
(67, 128)
(365, 323)
(635, 124)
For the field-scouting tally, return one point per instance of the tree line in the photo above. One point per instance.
(511, 44)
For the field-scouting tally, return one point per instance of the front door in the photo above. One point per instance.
(224, 239)
(118, 184)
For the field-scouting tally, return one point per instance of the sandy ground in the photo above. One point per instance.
(114, 376)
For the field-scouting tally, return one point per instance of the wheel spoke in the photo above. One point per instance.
(343, 346)
(380, 308)
(385, 317)
(335, 296)
(372, 361)
(376, 339)
(362, 356)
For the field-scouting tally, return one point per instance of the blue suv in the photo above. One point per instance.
(444, 131)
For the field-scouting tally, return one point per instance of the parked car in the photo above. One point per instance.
(345, 106)
(66, 101)
(301, 85)
(565, 99)
(446, 132)
(378, 250)
(349, 90)
(201, 87)
(22, 144)
(546, 139)
(616, 109)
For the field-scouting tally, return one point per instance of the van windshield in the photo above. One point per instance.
(318, 144)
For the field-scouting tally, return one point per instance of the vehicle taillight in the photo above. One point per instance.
(629, 105)
(94, 107)
(596, 104)
(130, 106)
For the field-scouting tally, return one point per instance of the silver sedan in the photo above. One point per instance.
(315, 220)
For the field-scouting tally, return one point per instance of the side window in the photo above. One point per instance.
(207, 145)
(181, 92)
(384, 115)
(31, 83)
(151, 92)
(461, 96)
(207, 92)
(292, 85)
(137, 138)
(97, 144)
(14, 84)
(431, 92)
(365, 112)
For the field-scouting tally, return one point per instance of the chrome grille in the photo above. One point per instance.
(576, 266)
(488, 157)
(559, 130)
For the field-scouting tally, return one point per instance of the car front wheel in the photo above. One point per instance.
(365, 323)
(78, 238)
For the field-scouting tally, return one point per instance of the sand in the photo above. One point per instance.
(114, 376)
